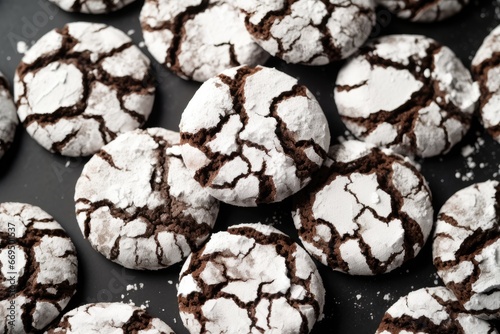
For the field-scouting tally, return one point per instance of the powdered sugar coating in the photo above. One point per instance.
(429, 311)
(424, 10)
(408, 93)
(138, 204)
(38, 268)
(79, 87)
(198, 39)
(91, 6)
(466, 248)
(311, 32)
(8, 116)
(253, 135)
(367, 212)
(250, 279)
(487, 73)
(110, 318)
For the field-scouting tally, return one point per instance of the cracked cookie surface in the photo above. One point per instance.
(466, 248)
(8, 116)
(139, 206)
(250, 279)
(367, 212)
(198, 39)
(311, 32)
(110, 318)
(91, 6)
(38, 266)
(486, 70)
(430, 311)
(78, 87)
(424, 10)
(408, 93)
(253, 135)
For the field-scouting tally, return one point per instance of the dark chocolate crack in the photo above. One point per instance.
(293, 149)
(111, 5)
(27, 286)
(417, 7)
(481, 73)
(405, 117)
(171, 216)
(177, 27)
(92, 73)
(470, 247)
(285, 247)
(380, 164)
(424, 324)
(262, 30)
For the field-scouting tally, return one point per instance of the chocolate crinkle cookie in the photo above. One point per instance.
(424, 10)
(138, 205)
(78, 87)
(91, 6)
(408, 93)
(38, 268)
(310, 32)
(486, 70)
(8, 116)
(431, 311)
(367, 212)
(250, 279)
(113, 318)
(253, 135)
(198, 39)
(466, 248)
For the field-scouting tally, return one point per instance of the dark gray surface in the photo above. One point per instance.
(30, 174)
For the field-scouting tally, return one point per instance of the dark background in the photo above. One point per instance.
(32, 175)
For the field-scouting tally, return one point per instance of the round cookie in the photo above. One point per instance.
(406, 92)
(138, 205)
(310, 32)
(110, 318)
(198, 39)
(367, 212)
(8, 116)
(250, 279)
(424, 10)
(466, 248)
(430, 311)
(486, 71)
(38, 268)
(253, 135)
(80, 86)
(91, 6)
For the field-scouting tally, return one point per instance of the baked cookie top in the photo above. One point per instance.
(486, 70)
(138, 205)
(466, 247)
(253, 135)
(408, 93)
(310, 32)
(110, 318)
(38, 274)
(198, 39)
(91, 6)
(424, 10)
(252, 278)
(8, 116)
(367, 211)
(430, 311)
(78, 87)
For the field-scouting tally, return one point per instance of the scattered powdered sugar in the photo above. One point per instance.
(22, 47)
(471, 162)
(387, 297)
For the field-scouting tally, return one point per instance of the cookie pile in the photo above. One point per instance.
(251, 136)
